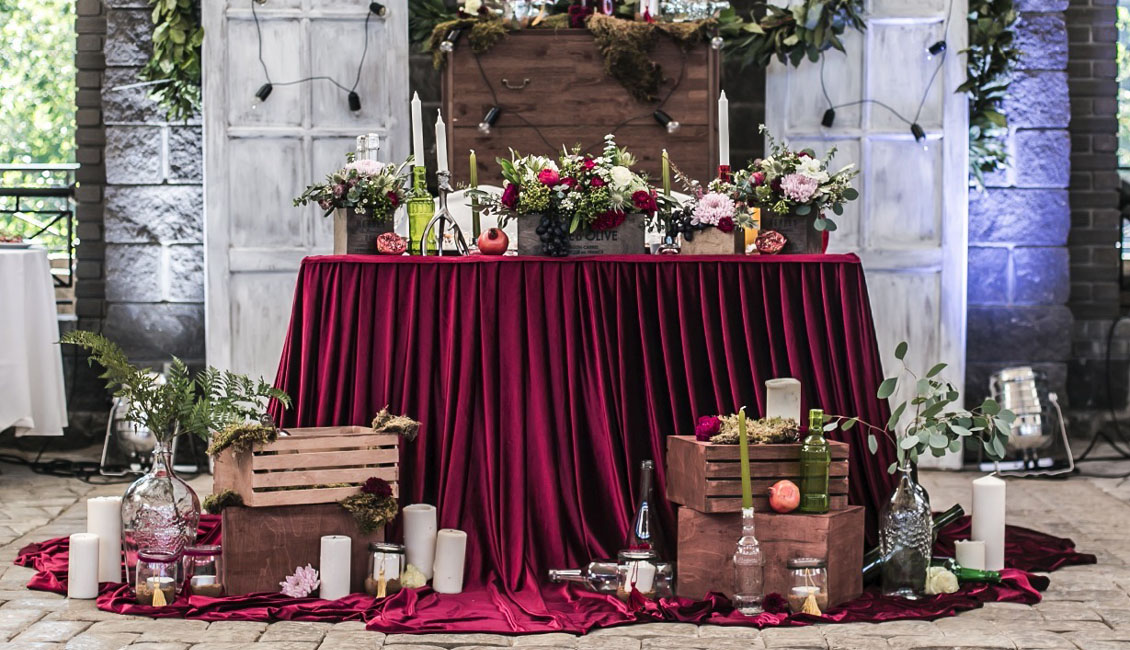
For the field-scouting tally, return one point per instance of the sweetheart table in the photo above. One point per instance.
(541, 383)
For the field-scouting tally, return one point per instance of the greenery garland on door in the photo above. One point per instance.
(174, 66)
(992, 55)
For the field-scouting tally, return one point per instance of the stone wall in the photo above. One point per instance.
(1018, 226)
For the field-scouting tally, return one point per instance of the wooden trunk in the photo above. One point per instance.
(706, 546)
(707, 477)
(262, 546)
(301, 467)
(551, 85)
(801, 235)
(356, 234)
(626, 239)
(712, 241)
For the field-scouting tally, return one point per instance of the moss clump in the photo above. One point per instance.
(214, 504)
(241, 437)
(760, 432)
(482, 34)
(401, 425)
(370, 511)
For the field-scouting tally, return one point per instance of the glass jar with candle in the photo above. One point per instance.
(637, 570)
(386, 563)
(808, 591)
(157, 578)
(202, 570)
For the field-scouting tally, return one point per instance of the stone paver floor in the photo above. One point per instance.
(1086, 607)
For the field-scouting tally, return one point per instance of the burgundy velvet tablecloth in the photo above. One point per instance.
(542, 383)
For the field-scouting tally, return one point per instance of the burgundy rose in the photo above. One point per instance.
(774, 603)
(597, 181)
(510, 196)
(377, 487)
(607, 220)
(726, 224)
(644, 201)
(393, 199)
(548, 177)
(775, 185)
(758, 178)
(325, 204)
(803, 154)
(589, 163)
(707, 427)
(339, 189)
(569, 182)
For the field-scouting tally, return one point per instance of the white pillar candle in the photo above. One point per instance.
(451, 550)
(104, 519)
(653, 9)
(782, 398)
(723, 129)
(420, 536)
(970, 553)
(641, 575)
(417, 132)
(441, 143)
(82, 566)
(988, 519)
(334, 567)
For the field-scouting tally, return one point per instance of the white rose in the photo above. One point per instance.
(939, 580)
(621, 176)
(812, 168)
(472, 6)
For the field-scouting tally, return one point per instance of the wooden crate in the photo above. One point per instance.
(262, 546)
(706, 548)
(707, 477)
(299, 468)
(626, 239)
(555, 81)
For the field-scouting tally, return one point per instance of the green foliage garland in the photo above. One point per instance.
(789, 34)
(177, 37)
(991, 57)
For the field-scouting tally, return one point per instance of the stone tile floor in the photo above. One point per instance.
(1086, 607)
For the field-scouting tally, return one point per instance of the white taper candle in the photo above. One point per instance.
(441, 143)
(333, 570)
(82, 566)
(417, 132)
(723, 129)
(104, 519)
(420, 536)
(451, 551)
(988, 519)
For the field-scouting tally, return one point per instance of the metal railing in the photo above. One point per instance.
(37, 203)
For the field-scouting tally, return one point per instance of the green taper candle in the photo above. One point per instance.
(743, 442)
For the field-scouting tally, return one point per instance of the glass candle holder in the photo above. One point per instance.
(157, 578)
(637, 569)
(808, 591)
(201, 569)
(386, 564)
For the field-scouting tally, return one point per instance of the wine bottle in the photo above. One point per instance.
(645, 533)
(601, 576)
(965, 574)
(815, 460)
(873, 559)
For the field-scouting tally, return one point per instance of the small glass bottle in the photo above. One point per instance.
(201, 568)
(602, 577)
(749, 569)
(157, 578)
(386, 564)
(645, 533)
(637, 569)
(815, 459)
(808, 591)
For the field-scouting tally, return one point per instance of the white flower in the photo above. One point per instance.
(813, 169)
(302, 583)
(472, 6)
(621, 176)
(939, 580)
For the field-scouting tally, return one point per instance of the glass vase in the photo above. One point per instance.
(905, 537)
(160, 512)
(749, 569)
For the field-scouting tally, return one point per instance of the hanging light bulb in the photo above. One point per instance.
(489, 119)
(354, 101)
(919, 136)
(449, 41)
(936, 49)
(666, 120)
(717, 42)
(261, 95)
(378, 9)
(829, 118)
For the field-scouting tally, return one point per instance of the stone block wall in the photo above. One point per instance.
(1019, 225)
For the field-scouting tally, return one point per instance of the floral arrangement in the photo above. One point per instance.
(374, 507)
(720, 205)
(366, 186)
(723, 429)
(797, 181)
(940, 580)
(303, 583)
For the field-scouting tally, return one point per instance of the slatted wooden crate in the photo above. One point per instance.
(309, 466)
(707, 477)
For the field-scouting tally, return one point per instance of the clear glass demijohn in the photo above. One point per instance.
(160, 512)
(906, 537)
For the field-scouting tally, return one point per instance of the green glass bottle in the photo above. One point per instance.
(421, 208)
(814, 461)
(964, 574)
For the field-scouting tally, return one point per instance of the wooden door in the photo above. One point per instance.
(258, 157)
(910, 224)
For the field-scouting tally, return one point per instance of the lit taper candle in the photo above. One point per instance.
(743, 441)
(441, 143)
(723, 130)
(417, 132)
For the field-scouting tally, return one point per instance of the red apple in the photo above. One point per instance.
(784, 496)
(493, 242)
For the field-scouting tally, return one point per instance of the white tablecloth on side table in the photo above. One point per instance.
(32, 397)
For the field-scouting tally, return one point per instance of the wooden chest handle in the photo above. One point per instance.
(525, 82)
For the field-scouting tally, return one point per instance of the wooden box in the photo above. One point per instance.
(707, 477)
(552, 90)
(626, 239)
(356, 234)
(801, 235)
(309, 466)
(712, 241)
(707, 541)
(262, 546)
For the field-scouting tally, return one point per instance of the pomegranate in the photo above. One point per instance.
(390, 243)
(493, 242)
(784, 496)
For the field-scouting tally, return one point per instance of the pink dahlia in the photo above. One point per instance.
(799, 187)
(712, 208)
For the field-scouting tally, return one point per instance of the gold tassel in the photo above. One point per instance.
(810, 606)
(159, 597)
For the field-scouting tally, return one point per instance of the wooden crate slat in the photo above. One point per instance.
(772, 468)
(289, 497)
(733, 487)
(328, 443)
(347, 458)
(789, 451)
(761, 504)
(320, 477)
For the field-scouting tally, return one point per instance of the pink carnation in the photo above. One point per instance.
(799, 187)
(712, 208)
(366, 167)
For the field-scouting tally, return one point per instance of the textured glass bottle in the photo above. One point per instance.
(160, 512)
(815, 459)
(905, 537)
(749, 569)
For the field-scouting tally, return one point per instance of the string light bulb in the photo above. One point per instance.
(829, 118)
(717, 42)
(936, 49)
(666, 121)
(919, 135)
(354, 101)
(261, 95)
(449, 41)
(489, 119)
(378, 9)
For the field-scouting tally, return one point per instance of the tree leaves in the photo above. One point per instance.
(900, 350)
(887, 388)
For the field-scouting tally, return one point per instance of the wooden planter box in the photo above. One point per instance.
(551, 84)
(712, 241)
(706, 548)
(626, 239)
(707, 477)
(299, 468)
(356, 234)
(801, 235)
(262, 546)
